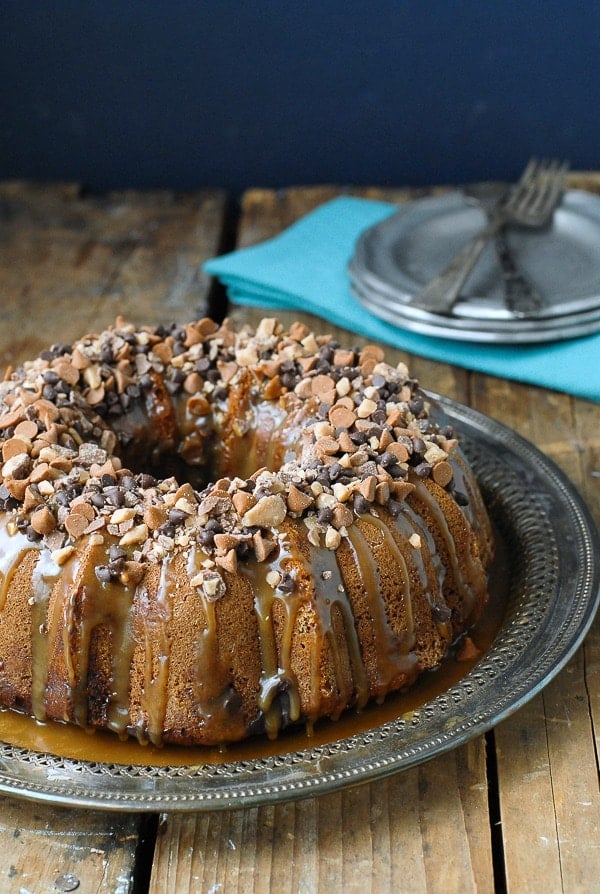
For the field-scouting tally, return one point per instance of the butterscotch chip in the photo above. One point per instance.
(324, 388)
(307, 363)
(95, 395)
(346, 443)
(227, 370)
(79, 360)
(385, 439)
(342, 357)
(341, 417)
(297, 500)
(14, 446)
(43, 521)
(401, 489)
(394, 417)
(442, 473)
(206, 326)
(163, 351)
(26, 429)
(243, 501)
(372, 352)
(11, 418)
(342, 516)
(368, 488)
(399, 451)
(32, 498)
(327, 446)
(66, 370)
(382, 493)
(16, 487)
(76, 524)
(226, 542)
(298, 331)
(263, 546)
(39, 472)
(193, 383)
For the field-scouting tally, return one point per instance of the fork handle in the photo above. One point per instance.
(440, 294)
(520, 296)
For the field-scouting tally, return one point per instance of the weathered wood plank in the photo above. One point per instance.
(423, 831)
(69, 264)
(49, 849)
(547, 759)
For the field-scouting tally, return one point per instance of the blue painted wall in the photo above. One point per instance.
(187, 94)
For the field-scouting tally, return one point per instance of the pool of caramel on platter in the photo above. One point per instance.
(68, 741)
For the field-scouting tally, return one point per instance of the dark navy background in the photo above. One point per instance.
(186, 94)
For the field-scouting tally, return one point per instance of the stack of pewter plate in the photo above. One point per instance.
(395, 259)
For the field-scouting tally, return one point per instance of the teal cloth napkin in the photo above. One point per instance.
(304, 269)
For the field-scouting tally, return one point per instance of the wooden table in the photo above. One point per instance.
(516, 810)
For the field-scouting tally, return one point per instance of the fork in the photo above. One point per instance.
(530, 203)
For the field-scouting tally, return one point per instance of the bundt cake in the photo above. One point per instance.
(208, 534)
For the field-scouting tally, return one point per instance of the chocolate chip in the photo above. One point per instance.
(361, 506)
(423, 470)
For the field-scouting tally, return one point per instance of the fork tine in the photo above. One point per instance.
(524, 183)
(551, 185)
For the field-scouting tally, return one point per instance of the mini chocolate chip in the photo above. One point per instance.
(115, 495)
(416, 404)
(394, 508)
(286, 584)
(361, 506)
(116, 552)
(335, 471)
(103, 573)
(423, 470)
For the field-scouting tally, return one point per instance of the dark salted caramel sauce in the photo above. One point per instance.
(68, 741)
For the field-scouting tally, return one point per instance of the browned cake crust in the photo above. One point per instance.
(207, 534)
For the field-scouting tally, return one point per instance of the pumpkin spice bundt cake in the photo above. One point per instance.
(208, 534)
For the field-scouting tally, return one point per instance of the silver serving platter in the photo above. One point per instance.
(393, 260)
(553, 595)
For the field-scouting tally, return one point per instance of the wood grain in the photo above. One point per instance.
(421, 831)
(70, 263)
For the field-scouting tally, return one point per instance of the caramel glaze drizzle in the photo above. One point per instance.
(70, 604)
(326, 593)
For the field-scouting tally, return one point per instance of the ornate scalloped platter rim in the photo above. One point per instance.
(554, 595)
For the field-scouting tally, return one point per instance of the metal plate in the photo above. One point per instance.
(525, 331)
(553, 596)
(395, 258)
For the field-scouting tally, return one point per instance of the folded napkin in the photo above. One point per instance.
(305, 269)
